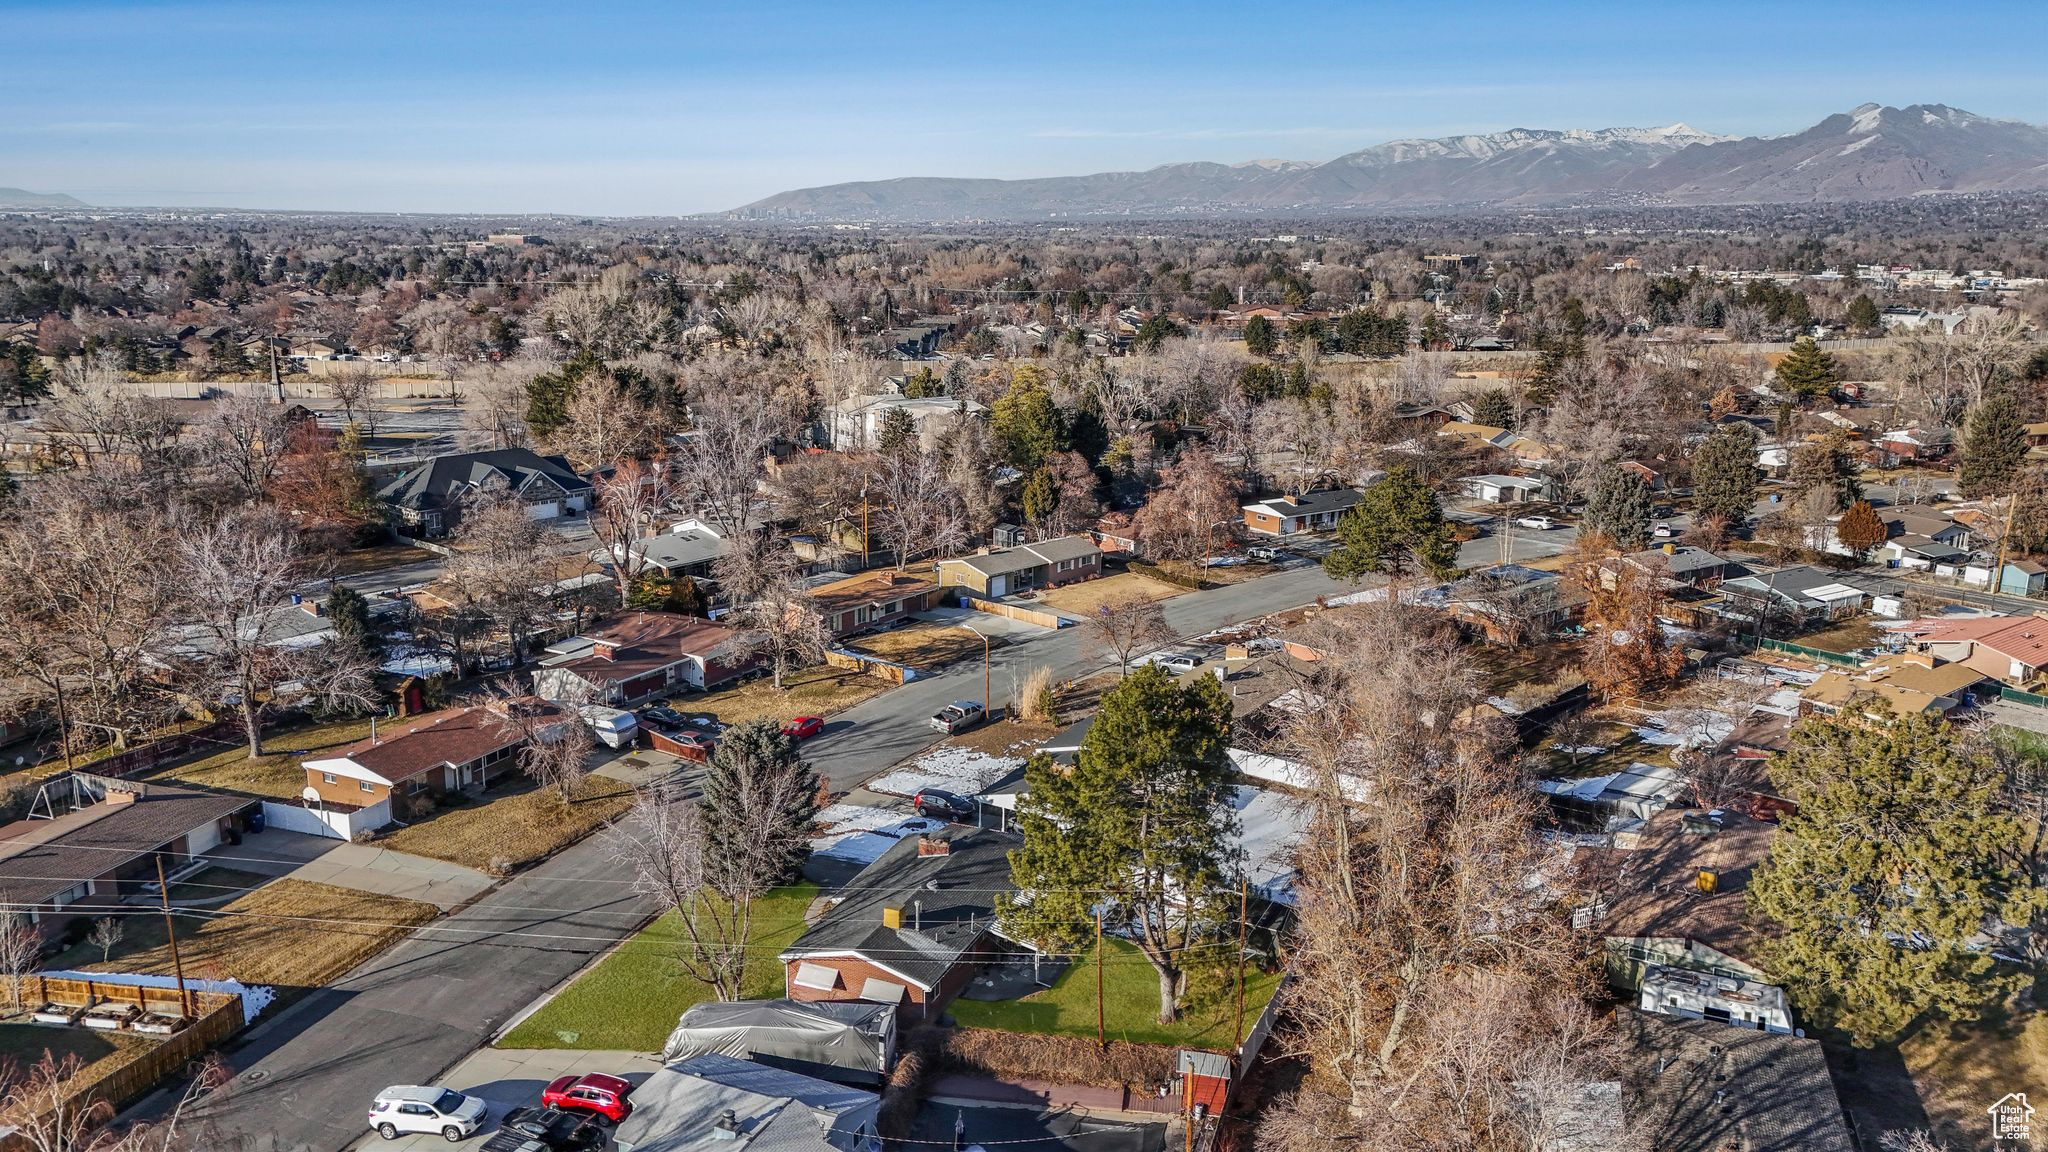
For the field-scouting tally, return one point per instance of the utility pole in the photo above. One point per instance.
(163, 892)
(1243, 902)
(2012, 504)
(1100, 1040)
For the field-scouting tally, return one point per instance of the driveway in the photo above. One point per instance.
(359, 867)
(511, 1078)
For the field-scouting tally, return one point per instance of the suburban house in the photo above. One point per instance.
(2019, 578)
(1496, 489)
(689, 548)
(1290, 514)
(1475, 435)
(1683, 563)
(1117, 532)
(856, 423)
(872, 600)
(427, 499)
(460, 749)
(103, 842)
(639, 655)
(1618, 801)
(999, 572)
(718, 1101)
(917, 925)
(1799, 593)
(2012, 649)
(1909, 684)
(1702, 1086)
(1913, 443)
(1651, 478)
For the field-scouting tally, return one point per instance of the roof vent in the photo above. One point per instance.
(726, 1127)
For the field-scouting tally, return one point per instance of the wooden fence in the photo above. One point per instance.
(157, 752)
(219, 1016)
(879, 669)
(1013, 612)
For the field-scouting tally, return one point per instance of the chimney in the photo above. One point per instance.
(312, 607)
(605, 649)
(1670, 549)
(932, 846)
(892, 916)
(120, 796)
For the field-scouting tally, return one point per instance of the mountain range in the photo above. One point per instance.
(1870, 153)
(16, 198)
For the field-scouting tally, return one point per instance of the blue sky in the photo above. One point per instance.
(660, 108)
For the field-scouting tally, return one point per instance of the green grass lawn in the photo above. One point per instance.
(630, 1000)
(1130, 995)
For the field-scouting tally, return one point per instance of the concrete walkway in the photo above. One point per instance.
(509, 1078)
(359, 867)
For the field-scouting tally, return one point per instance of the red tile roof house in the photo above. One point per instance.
(455, 750)
(637, 656)
(872, 600)
(918, 923)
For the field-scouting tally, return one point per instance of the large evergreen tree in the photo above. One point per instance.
(1880, 885)
(1863, 315)
(1806, 371)
(1724, 473)
(1259, 337)
(758, 798)
(1994, 446)
(1396, 528)
(1494, 408)
(1025, 422)
(1142, 827)
(1619, 506)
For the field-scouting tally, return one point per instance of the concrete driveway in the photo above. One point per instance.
(512, 1078)
(360, 867)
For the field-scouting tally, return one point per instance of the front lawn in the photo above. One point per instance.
(1130, 1002)
(818, 691)
(513, 824)
(276, 773)
(1083, 598)
(1961, 1069)
(630, 1000)
(289, 933)
(924, 646)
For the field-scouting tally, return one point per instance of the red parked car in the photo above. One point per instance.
(804, 727)
(594, 1092)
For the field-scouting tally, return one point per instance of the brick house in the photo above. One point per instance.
(918, 924)
(638, 655)
(1290, 515)
(464, 749)
(999, 572)
(871, 600)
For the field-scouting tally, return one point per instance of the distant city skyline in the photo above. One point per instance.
(650, 109)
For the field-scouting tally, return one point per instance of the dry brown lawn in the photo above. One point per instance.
(276, 773)
(1084, 598)
(1961, 1069)
(513, 825)
(356, 561)
(287, 933)
(923, 646)
(818, 691)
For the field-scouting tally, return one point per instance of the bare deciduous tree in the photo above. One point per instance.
(21, 951)
(106, 933)
(779, 623)
(630, 500)
(242, 441)
(1192, 511)
(1128, 626)
(501, 565)
(915, 507)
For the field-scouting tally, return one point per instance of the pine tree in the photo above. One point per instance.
(1994, 446)
(1806, 371)
(1494, 408)
(1860, 529)
(1724, 473)
(1041, 496)
(1259, 337)
(897, 432)
(1396, 528)
(349, 613)
(1619, 506)
(1897, 859)
(1025, 422)
(1863, 315)
(756, 780)
(1141, 823)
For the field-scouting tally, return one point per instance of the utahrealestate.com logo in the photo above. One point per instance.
(2011, 1117)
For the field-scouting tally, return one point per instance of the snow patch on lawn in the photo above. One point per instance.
(1693, 728)
(963, 771)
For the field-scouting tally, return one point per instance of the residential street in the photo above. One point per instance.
(304, 1080)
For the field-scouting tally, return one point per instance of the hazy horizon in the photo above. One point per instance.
(640, 109)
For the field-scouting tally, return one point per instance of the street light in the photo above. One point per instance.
(984, 667)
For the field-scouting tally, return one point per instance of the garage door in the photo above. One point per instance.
(544, 511)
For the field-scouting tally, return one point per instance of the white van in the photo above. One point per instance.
(615, 727)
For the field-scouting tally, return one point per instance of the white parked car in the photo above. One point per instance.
(1537, 523)
(405, 1108)
(1664, 532)
(614, 727)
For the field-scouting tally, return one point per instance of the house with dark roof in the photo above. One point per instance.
(1291, 514)
(871, 600)
(917, 925)
(103, 841)
(639, 655)
(1703, 1086)
(427, 500)
(1671, 895)
(999, 572)
(689, 548)
(1796, 594)
(1683, 563)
